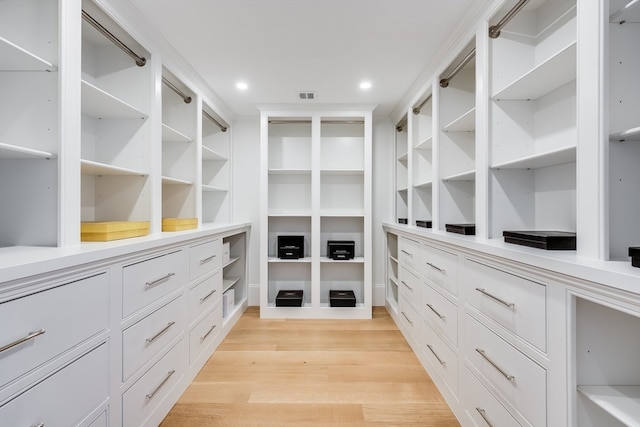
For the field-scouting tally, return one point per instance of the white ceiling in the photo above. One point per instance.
(280, 47)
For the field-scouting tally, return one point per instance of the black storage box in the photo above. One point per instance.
(289, 299)
(342, 299)
(290, 247)
(341, 249)
(634, 253)
(403, 221)
(423, 223)
(468, 229)
(550, 240)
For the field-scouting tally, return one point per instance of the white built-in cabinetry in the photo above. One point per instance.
(316, 183)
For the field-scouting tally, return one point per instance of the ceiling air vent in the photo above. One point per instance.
(307, 96)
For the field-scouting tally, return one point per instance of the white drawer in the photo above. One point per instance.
(441, 268)
(409, 319)
(518, 379)
(441, 313)
(410, 254)
(411, 287)
(202, 334)
(143, 398)
(147, 281)
(101, 421)
(205, 295)
(68, 315)
(204, 258)
(441, 357)
(64, 398)
(143, 340)
(516, 303)
(483, 407)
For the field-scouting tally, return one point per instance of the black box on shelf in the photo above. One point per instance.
(634, 253)
(403, 221)
(467, 229)
(290, 247)
(423, 223)
(291, 298)
(342, 298)
(549, 240)
(341, 249)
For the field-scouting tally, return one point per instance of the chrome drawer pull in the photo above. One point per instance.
(31, 336)
(155, 282)
(434, 310)
(501, 301)
(207, 334)
(408, 287)
(443, 363)
(165, 329)
(153, 393)
(207, 259)
(204, 298)
(484, 417)
(405, 316)
(441, 270)
(408, 253)
(507, 376)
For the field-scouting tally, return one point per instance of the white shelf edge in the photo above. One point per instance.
(466, 122)
(170, 134)
(394, 259)
(290, 214)
(427, 144)
(101, 104)
(426, 184)
(340, 214)
(541, 160)
(342, 171)
(209, 154)
(212, 189)
(402, 189)
(274, 260)
(231, 261)
(462, 176)
(89, 167)
(228, 282)
(17, 58)
(289, 171)
(403, 157)
(9, 151)
(621, 402)
(548, 28)
(632, 134)
(356, 260)
(167, 180)
(394, 280)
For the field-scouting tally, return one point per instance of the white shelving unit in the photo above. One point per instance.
(402, 171)
(316, 183)
(216, 168)
(422, 161)
(234, 272)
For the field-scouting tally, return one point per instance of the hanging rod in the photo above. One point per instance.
(622, 10)
(329, 122)
(185, 98)
(217, 123)
(401, 124)
(494, 30)
(445, 82)
(140, 61)
(416, 110)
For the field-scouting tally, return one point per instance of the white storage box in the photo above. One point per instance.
(226, 253)
(228, 302)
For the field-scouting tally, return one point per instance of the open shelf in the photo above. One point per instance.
(462, 176)
(228, 282)
(100, 104)
(169, 134)
(89, 167)
(16, 58)
(289, 171)
(541, 160)
(213, 189)
(465, 123)
(166, 180)
(8, 151)
(621, 402)
(427, 144)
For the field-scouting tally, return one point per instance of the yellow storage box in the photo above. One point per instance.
(106, 231)
(179, 224)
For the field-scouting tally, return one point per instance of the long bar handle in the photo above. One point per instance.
(442, 362)
(153, 393)
(165, 329)
(441, 270)
(207, 259)
(408, 253)
(484, 417)
(206, 297)
(405, 316)
(500, 300)
(155, 282)
(204, 337)
(507, 376)
(30, 336)
(436, 311)
(405, 283)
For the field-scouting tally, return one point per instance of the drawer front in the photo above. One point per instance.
(441, 313)
(483, 407)
(441, 268)
(204, 258)
(520, 380)
(143, 340)
(202, 334)
(410, 254)
(85, 386)
(68, 315)
(150, 280)
(441, 357)
(143, 398)
(101, 421)
(516, 303)
(409, 319)
(411, 287)
(205, 295)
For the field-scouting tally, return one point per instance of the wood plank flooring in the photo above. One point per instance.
(312, 373)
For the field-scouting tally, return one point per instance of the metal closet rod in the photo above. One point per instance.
(140, 61)
(401, 124)
(330, 122)
(445, 82)
(185, 98)
(416, 110)
(494, 30)
(222, 127)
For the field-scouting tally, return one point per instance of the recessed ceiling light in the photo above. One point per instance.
(365, 85)
(242, 86)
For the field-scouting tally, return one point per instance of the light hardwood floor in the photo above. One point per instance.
(312, 373)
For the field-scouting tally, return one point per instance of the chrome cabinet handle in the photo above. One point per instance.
(405, 283)
(204, 298)
(436, 312)
(153, 393)
(500, 300)
(504, 374)
(30, 336)
(207, 334)
(484, 417)
(441, 270)
(155, 282)
(165, 329)
(443, 363)
(408, 253)
(405, 316)
(207, 259)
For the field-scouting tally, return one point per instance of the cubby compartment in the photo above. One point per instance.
(289, 145)
(234, 269)
(392, 272)
(289, 277)
(342, 193)
(289, 226)
(422, 161)
(341, 145)
(342, 228)
(216, 149)
(342, 276)
(402, 171)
